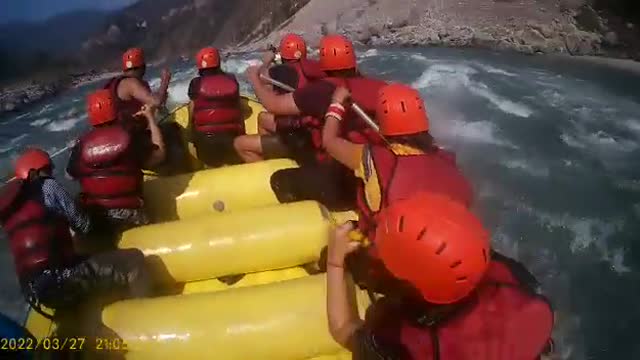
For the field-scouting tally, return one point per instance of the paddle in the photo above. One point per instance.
(171, 113)
(354, 106)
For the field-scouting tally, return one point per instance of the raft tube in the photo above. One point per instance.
(225, 189)
(259, 239)
(284, 320)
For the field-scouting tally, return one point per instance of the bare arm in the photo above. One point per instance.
(163, 92)
(342, 311)
(340, 149)
(272, 102)
(137, 91)
(159, 152)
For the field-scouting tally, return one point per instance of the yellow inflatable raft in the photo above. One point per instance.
(218, 222)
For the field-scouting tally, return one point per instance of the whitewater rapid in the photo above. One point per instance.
(551, 148)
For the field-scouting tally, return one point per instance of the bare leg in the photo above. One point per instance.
(249, 147)
(266, 123)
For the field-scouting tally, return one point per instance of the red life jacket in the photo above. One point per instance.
(308, 71)
(401, 176)
(125, 108)
(217, 106)
(504, 320)
(109, 174)
(364, 92)
(38, 239)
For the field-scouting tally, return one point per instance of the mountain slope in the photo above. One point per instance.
(166, 28)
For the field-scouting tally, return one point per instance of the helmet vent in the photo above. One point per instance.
(404, 106)
(441, 248)
(456, 264)
(335, 52)
(421, 234)
(484, 254)
(461, 279)
(401, 224)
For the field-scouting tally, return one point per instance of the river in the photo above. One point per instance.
(551, 146)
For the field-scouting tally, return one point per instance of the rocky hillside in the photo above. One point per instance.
(168, 28)
(576, 27)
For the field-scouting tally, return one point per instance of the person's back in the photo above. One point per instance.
(216, 115)
(108, 162)
(36, 213)
(130, 91)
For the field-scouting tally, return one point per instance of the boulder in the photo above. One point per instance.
(483, 39)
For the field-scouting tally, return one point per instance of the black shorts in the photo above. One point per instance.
(119, 274)
(216, 150)
(293, 143)
(331, 184)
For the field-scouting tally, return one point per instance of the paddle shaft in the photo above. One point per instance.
(354, 106)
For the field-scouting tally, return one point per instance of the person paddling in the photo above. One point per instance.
(216, 115)
(324, 179)
(409, 161)
(36, 213)
(446, 295)
(130, 91)
(283, 135)
(108, 163)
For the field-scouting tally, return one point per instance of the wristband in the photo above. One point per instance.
(335, 110)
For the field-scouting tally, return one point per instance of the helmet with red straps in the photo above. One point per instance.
(31, 159)
(208, 58)
(101, 107)
(293, 47)
(132, 58)
(401, 111)
(435, 244)
(336, 53)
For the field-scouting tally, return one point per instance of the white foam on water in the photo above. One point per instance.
(64, 125)
(494, 70)
(500, 102)
(527, 167)
(419, 57)
(13, 143)
(178, 92)
(44, 109)
(587, 233)
(553, 98)
(600, 140)
(483, 132)
(447, 75)
(633, 125)
(456, 76)
(590, 233)
(40, 122)
(369, 53)
(239, 66)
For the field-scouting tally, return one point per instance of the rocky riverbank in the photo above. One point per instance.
(528, 26)
(18, 96)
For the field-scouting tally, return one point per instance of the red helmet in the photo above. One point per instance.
(401, 111)
(336, 53)
(435, 244)
(31, 159)
(293, 47)
(208, 58)
(132, 58)
(101, 107)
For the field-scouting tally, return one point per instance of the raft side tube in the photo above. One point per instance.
(225, 189)
(259, 239)
(284, 320)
